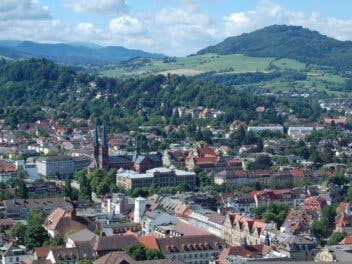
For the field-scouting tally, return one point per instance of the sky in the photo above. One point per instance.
(171, 27)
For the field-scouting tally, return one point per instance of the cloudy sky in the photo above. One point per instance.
(172, 27)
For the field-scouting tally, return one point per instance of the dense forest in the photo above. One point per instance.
(229, 79)
(37, 88)
(292, 42)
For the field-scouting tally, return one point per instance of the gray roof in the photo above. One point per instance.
(82, 235)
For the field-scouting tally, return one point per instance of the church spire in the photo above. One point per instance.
(96, 136)
(104, 138)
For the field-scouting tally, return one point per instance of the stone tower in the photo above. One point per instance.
(104, 151)
(100, 148)
(96, 147)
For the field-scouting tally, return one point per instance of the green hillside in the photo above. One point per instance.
(192, 65)
(292, 42)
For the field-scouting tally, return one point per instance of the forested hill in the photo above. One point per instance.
(292, 42)
(71, 54)
(37, 88)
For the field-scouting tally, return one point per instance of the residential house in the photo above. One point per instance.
(314, 205)
(238, 203)
(19, 208)
(176, 158)
(83, 235)
(239, 228)
(297, 222)
(156, 218)
(61, 222)
(208, 220)
(249, 253)
(344, 218)
(268, 196)
(13, 253)
(296, 248)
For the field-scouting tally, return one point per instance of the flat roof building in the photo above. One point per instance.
(160, 177)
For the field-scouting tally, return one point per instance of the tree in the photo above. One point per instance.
(336, 238)
(329, 215)
(67, 190)
(320, 230)
(153, 254)
(273, 212)
(21, 189)
(138, 252)
(18, 232)
(35, 234)
(262, 162)
(85, 191)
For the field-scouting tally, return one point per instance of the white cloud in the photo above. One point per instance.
(127, 25)
(98, 7)
(22, 10)
(268, 13)
(177, 30)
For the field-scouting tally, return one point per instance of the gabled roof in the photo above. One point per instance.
(346, 241)
(42, 252)
(112, 243)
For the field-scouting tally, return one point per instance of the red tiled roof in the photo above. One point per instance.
(6, 167)
(272, 193)
(299, 173)
(343, 219)
(240, 173)
(42, 252)
(314, 203)
(148, 242)
(341, 120)
(206, 160)
(206, 151)
(346, 241)
(249, 251)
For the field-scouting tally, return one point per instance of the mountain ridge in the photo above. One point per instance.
(293, 42)
(72, 54)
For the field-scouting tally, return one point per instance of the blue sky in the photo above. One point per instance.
(173, 27)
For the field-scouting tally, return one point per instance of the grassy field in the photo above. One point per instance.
(192, 65)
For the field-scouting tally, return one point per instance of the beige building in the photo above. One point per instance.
(239, 229)
(160, 177)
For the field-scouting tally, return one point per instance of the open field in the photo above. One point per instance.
(235, 63)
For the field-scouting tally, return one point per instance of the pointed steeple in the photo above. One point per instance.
(104, 138)
(136, 150)
(96, 136)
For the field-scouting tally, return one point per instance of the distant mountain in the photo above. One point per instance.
(73, 53)
(292, 42)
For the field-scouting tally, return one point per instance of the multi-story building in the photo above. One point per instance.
(268, 196)
(159, 177)
(208, 220)
(296, 248)
(241, 177)
(271, 127)
(19, 208)
(300, 132)
(156, 218)
(239, 229)
(60, 166)
(188, 249)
